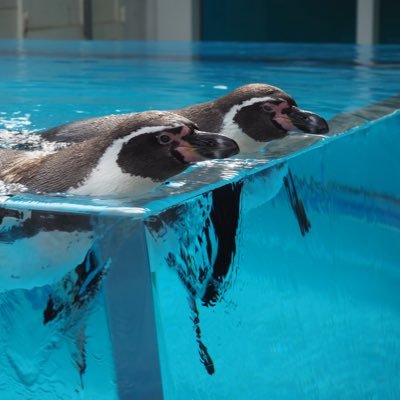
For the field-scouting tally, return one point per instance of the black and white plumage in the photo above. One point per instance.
(254, 114)
(135, 155)
(251, 115)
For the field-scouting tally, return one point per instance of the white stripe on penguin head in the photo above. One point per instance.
(232, 130)
(108, 178)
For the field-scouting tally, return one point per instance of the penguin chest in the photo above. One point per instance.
(108, 178)
(113, 181)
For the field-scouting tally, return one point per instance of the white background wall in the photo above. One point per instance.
(56, 19)
(108, 19)
(112, 19)
(172, 19)
(11, 19)
(162, 19)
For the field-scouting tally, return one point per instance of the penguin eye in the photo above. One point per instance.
(164, 139)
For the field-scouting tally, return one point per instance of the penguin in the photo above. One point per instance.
(252, 115)
(137, 154)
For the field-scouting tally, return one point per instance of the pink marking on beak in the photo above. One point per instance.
(282, 119)
(185, 149)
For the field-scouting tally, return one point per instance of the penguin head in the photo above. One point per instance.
(163, 144)
(263, 113)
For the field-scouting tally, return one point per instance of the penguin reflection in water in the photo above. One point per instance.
(140, 152)
(204, 256)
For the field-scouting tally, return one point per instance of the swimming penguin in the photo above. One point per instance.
(251, 115)
(136, 154)
(254, 114)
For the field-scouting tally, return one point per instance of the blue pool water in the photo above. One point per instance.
(303, 313)
(55, 82)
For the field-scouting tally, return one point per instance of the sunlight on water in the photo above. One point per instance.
(18, 140)
(15, 122)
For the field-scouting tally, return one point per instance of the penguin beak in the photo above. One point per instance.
(202, 146)
(306, 122)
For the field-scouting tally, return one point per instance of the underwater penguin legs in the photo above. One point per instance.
(205, 357)
(296, 204)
